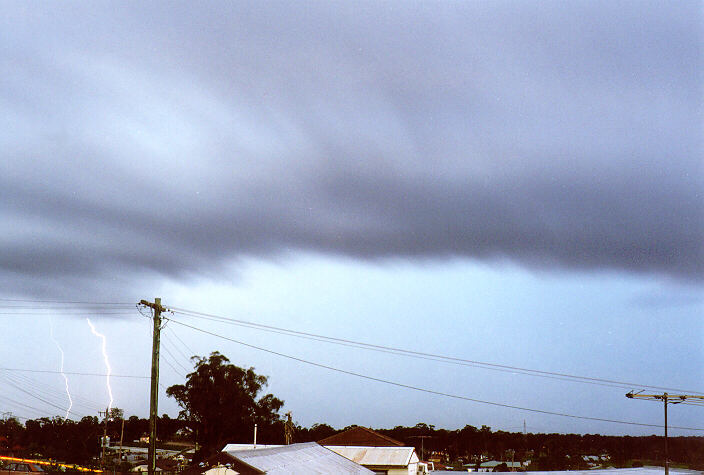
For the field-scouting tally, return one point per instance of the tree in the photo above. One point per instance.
(219, 403)
(10, 433)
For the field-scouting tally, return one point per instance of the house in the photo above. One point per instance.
(361, 437)
(377, 452)
(307, 458)
(381, 460)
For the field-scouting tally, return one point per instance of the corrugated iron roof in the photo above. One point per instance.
(308, 458)
(377, 456)
(237, 447)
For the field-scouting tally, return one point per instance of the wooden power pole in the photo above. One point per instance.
(288, 429)
(103, 440)
(666, 399)
(154, 394)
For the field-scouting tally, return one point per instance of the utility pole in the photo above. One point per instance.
(122, 433)
(422, 443)
(666, 399)
(288, 429)
(523, 452)
(103, 441)
(154, 395)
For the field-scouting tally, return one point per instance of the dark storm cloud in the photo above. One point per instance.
(171, 139)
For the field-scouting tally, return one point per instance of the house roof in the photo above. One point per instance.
(377, 456)
(307, 458)
(361, 437)
(222, 460)
(238, 447)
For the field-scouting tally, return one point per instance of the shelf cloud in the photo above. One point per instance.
(169, 139)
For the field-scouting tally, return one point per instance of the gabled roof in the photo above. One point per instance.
(377, 456)
(308, 458)
(361, 437)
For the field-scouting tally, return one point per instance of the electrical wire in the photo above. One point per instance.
(178, 373)
(26, 406)
(51, 392)
(168, 358)
(165, 347)
(183, 343)
(74, 373)
(425, 390)
(184, 355)
(426, 356)
(57, 397)
(39, 398)
(79, 302)
(66, 313)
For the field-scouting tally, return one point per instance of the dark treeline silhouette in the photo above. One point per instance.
(545, 451)
(79, 442)
(75, 442)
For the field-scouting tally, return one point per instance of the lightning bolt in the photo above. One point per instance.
(105, 357)
(68, 393)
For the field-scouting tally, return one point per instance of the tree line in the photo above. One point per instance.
(549, 451)
(221, 403)
(75, 442)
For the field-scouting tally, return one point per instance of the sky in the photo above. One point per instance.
(514, 183)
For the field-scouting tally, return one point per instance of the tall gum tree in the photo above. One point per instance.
(220, 403)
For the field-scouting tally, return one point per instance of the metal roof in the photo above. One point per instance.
(377, 456)
(238, 447)
(308, 458)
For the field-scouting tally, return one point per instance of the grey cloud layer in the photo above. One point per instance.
(171, 140)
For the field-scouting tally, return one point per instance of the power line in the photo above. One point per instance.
(78, 302)
(39, 398)
(425, 356)
(185, 356)
(26, 406)
(166, 344)
(178, 373)
(51, 392)
(424, 390)
(67, 306)
(65, 313)
(112, 375)
(169, 358)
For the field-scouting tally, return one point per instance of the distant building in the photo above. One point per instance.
(165, 466)
(492, 464)
(379, 453)
(381, 460)
(361, 437)
(611, 471)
